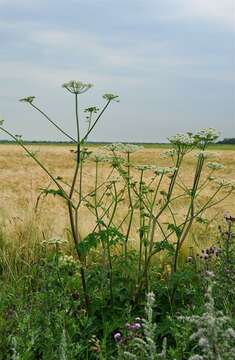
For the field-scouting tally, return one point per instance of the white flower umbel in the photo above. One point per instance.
(55, 241)
(207, 135)
(215, 166)
(124, 148)
(205, 154)
(28, 99)
(168, 153)
(68, 259)
(111, 97)
(182, 139)
(143, 167)
(225, 183)
(100, 158)
(164, 170)
(76, 87)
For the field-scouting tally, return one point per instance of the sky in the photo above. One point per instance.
(172, 62)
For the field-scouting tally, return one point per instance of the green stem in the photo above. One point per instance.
(52, 122)
(95, 122)
(130, 205)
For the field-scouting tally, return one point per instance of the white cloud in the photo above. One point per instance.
(217, 11)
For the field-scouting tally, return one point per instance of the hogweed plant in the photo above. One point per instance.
(131, 196)
(68, 193)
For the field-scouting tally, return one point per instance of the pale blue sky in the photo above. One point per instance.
(172, 62)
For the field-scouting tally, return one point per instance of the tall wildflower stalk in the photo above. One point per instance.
(68, 191)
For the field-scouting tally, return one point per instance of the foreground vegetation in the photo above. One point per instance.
(130, 285)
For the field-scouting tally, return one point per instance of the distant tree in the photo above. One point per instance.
(227, 141)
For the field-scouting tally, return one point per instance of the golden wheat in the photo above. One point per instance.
(21, 180)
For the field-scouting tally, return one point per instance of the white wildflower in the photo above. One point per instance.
(224, 182)
(144, 167)
(100, 158)
(205, 154)
(164, 170)
(215, 166)
(182, 139)
(76, 87)
(111, 97)
(55, 241)
(230, 333)
(67, 260)
(28, 99)
(207, 135)
(124, 148)
(168, 153)
(203, 343)
(210, 274)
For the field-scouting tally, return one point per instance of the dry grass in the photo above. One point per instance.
(21, 179)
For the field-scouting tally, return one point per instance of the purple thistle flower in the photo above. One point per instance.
(117, 336)
(134, 326)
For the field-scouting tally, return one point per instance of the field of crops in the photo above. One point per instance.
(21, 180)
(117, 251)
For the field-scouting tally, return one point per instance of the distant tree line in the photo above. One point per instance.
(229, 141)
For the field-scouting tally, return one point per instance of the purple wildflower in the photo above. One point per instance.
(117, 336)
(134, 326)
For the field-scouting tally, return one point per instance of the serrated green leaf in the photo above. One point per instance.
(164, 245)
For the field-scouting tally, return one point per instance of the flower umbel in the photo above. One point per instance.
(76, 87)
(110, 97)
(215, 165)
(207, 135)
(182, 139)
(91, 109)
(28, 99)
(124, 148)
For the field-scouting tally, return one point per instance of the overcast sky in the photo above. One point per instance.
(172, 62)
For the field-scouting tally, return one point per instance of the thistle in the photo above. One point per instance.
(144, 348)
(213, 333)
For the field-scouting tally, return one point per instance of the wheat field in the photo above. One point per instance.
(21, 180)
